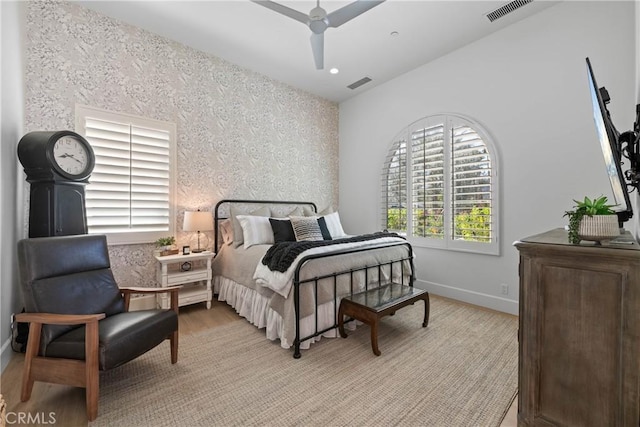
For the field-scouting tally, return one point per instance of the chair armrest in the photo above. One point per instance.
(172, 290)
(91, 342)
(59, 319)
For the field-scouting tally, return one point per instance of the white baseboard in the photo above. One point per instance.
(5, 354)
(147, 302)
(476, 298)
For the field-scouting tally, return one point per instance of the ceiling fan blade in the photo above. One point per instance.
(317, 46)
(284, 10)
(350, 11)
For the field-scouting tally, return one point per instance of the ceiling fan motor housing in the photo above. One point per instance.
(318, 21)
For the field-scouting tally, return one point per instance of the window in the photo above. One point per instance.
(440, 187)
(129, 195)
(395, 187)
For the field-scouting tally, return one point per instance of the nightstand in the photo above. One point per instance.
(172, 271)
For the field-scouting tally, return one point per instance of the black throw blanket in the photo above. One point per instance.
(281, 255)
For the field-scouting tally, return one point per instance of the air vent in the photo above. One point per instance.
(506, 9)
(359, 83)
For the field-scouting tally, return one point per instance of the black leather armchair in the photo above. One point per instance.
(79, 318)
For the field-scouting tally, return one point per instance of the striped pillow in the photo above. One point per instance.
(334, 225)
(256, 230)
(306, 228)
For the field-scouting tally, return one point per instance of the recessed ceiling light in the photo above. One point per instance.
(334, 70)
(394, 34)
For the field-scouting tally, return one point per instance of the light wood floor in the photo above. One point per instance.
(68, 403)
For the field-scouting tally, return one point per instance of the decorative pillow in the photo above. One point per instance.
(226, 230)
(256, 230)
(306, 228)
(334, 225)
(303, 210)
(307, 210)
(282, 230)
(323, 229)
(238, 237)
(326, 211)
(296, 212)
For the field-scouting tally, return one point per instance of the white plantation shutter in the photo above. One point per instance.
(471, 182)
(129, 194)
(394, 188)
(427, 182)
(453, 189)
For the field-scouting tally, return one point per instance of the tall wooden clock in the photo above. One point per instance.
(58, 165)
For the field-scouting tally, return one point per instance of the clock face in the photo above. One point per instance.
(71, 155)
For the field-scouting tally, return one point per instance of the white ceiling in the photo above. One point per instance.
(274, 45)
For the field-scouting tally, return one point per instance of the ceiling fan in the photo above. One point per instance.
(318, 20)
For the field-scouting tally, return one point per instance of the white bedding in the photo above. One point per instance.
(266, 299)
(281, 282)
(255, 308)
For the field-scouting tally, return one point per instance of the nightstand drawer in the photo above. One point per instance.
(187, 276)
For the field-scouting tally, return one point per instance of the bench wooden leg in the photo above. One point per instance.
(425, 322)
(374, 337)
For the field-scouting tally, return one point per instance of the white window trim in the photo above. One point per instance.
(137, 237)
(492, 248)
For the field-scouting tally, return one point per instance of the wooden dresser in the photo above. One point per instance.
(579, 332)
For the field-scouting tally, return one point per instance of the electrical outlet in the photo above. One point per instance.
(504, 289)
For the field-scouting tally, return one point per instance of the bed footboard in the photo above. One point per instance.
(373, 275)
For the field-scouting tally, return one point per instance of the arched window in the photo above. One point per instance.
(440, 186)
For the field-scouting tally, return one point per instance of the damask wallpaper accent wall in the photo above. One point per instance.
(240, 134)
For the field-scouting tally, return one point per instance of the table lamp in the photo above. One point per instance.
(197, 221)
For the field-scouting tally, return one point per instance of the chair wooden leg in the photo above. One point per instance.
(174, 347)
(174, 336)
(32, 351)
(91, 369)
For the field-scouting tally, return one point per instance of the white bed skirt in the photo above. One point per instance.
(255, 308)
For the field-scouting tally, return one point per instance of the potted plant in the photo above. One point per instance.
(592, 220)
(166, 245)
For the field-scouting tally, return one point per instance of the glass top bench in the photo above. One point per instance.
(371, 305)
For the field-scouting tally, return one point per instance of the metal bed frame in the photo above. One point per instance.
(297, 282)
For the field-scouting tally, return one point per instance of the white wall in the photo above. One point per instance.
(527, 84)
(637, 48)
(12, 15)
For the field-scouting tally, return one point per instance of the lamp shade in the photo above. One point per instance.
(197, 221)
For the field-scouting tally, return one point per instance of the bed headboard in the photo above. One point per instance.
(222, 211)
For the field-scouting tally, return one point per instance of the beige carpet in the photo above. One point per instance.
(460, 371)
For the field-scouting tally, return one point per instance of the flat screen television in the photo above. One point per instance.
(611, 148)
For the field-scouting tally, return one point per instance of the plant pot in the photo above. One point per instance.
(169, 250)
(599, 228)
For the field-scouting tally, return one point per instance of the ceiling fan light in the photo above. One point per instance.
(317, 13)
